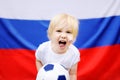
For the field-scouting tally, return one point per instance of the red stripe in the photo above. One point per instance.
(100, 63)
(17, 64)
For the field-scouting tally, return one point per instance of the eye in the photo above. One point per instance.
(58, 31)
(68, 32)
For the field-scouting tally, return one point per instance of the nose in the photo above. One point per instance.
(63, 36)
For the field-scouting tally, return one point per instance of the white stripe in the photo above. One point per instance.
(46, 9)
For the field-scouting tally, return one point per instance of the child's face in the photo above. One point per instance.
(61, 38)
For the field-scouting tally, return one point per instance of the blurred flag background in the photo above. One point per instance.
(23, 26)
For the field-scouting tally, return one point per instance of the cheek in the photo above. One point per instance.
(55, 36)
(70, 38)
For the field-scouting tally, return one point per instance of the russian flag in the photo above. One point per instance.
(23, 26)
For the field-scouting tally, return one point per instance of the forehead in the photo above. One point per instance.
(63, 27)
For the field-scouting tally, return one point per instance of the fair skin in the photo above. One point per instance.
(73, 72)
(61, 38)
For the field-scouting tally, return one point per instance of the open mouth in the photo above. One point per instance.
(62, 43)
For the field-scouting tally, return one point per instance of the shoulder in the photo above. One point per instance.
(74, 53)
(43, 45)
(41, 49)
(74, 49)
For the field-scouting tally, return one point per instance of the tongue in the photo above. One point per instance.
(62, 45)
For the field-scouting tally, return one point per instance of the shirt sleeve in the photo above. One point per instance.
(39, 54)
(76, 55)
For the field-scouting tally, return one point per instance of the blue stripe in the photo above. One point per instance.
(29, 34)
(99, 32)
(22, 33)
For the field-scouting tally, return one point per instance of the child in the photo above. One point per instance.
(62, 32)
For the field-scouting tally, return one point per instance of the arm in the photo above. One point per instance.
(73, 72)
(38, 64)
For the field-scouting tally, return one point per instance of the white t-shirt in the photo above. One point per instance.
(45, 54)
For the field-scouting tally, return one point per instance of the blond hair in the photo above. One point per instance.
(60, 20)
